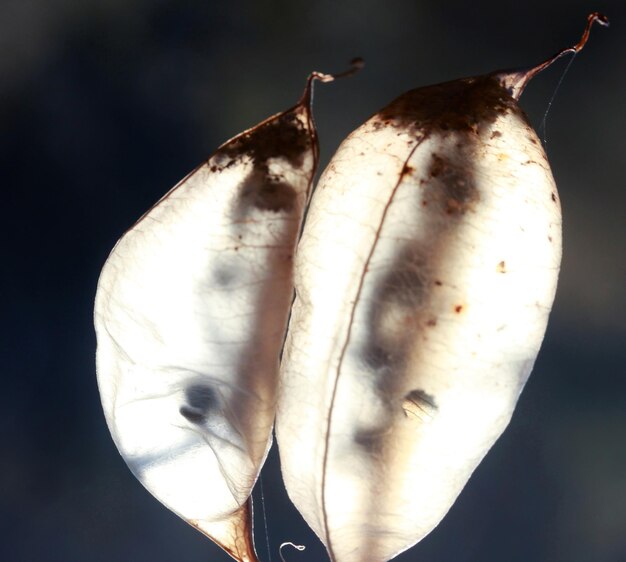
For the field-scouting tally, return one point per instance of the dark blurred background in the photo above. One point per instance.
(105, 105)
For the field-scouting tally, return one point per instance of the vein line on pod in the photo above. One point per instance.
(417, 321)
(344, 347)
(190, 315)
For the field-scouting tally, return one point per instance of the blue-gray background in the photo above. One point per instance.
(105, 105)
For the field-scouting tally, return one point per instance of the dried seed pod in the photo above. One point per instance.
(190, 316)
(424, 278)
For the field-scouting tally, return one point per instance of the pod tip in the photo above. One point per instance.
(515, 81)
(356, 64)
(233, 533)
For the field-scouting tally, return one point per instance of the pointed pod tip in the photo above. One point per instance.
(233, 533)
(515, 81)
(599, 18)
(356, 64)
(594, 17)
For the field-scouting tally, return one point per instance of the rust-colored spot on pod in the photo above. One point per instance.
(496, 134)
(436, 166)
(554, 196)
(458, 308)
(438, 283)
(501, 267)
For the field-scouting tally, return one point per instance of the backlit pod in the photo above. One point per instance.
(424, 279)
(190, 316)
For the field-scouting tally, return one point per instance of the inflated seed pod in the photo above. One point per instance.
(424, 279)
(190, 316)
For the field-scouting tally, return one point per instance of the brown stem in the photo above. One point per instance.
(356, 64)
(516, 80)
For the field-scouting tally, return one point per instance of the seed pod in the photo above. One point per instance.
(424, 278)
(190, 316)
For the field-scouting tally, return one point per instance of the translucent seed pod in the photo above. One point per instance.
(424, 277)
(190, 316)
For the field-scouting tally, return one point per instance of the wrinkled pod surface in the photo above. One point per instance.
(425, 276)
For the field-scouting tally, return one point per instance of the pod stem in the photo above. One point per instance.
(516, 80)
(356, 64)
